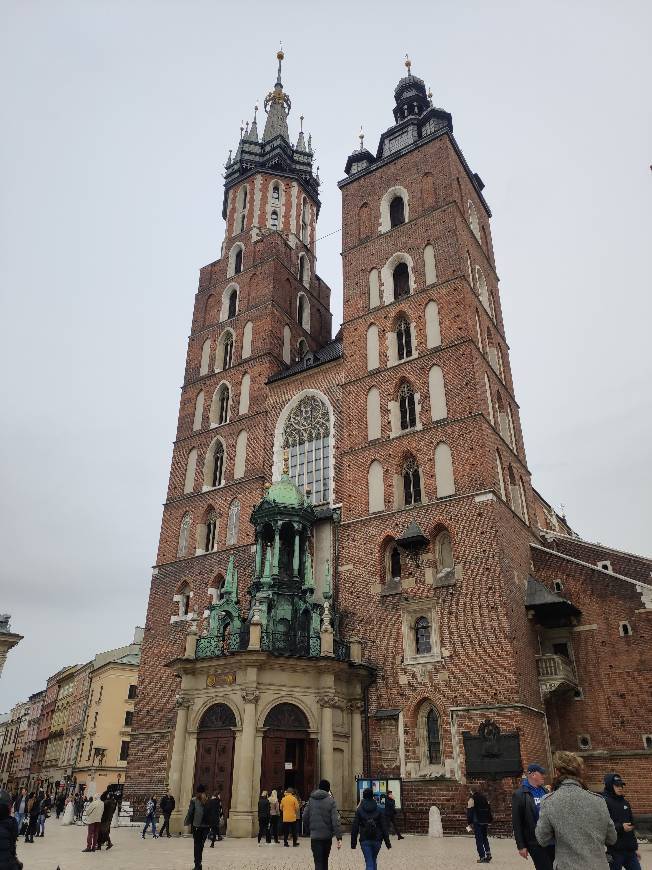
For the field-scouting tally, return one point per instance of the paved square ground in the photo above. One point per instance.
(61, 847)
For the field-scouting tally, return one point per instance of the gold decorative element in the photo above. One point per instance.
(286, 461)
(213, 680)
(408, 63)
(280, 55)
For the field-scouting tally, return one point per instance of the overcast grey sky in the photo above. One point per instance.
(117, 118)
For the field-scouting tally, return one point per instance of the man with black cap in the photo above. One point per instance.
(321, 820)
(526, 802)
(623, 855)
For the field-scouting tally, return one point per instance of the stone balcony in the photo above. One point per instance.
(557, 676)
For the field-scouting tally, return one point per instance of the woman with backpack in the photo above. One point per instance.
(370, 827)
(479, 817)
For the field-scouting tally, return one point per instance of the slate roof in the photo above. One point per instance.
(328, 353)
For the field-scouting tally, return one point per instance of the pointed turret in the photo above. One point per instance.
(277, 105)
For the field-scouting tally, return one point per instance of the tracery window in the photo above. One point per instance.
(433, 738)
(411, 483)
(407, 407)
(306, 435)
(211, 532)
(223, 405)
(422, 639)
(403, 338)
(227, 353)
(238, 262)
(233, 298)
(218, 467)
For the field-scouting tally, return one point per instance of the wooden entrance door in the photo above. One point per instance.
(298, 750)
(214, 766)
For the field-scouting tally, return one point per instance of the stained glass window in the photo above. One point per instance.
(306, 436)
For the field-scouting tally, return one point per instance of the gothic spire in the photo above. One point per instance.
(277, 105)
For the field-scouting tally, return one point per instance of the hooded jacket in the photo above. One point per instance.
(620, 811)
(369, 809)
(321, 820)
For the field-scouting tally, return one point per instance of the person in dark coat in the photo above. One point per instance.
(263, 818)
(60, 803)
(321, 821)
(110, 804)
(370, 826)
(197, 818)
(390, 812)
(624, 852)
(214, 813)
(33, 808)
(526, 802)
(166, 805)
(8, 834)
(478, 814)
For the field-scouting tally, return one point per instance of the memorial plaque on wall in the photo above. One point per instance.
(490, 754)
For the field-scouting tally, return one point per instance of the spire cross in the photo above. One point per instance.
(255, 113)
(361, 138)
(279, 55)
(301, 120)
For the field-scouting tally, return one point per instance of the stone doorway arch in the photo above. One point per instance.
(215, 748)
(289, 757)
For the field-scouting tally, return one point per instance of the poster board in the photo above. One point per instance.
(380, 788)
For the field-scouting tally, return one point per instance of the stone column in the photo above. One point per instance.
(326, 702)
(241, 818)
(357, 761)
(176, 762)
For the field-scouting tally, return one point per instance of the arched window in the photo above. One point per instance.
(273, 220)
(429, 264)
(287, 336)
(247, 336)
(401, 278)
(394, 565)
(276, 195)
(376, 487)
(183, 599)
(240, 462)
(514, 492)
(301, 304)
(473, 220)
(306, 434)
(396, 211)
(403, 339)
(364, 221)
(304, 221)
(205, 357)
(191, 465)
(481, 286)
(233, 304)
(223, 399)
(433, 332)
(303, 311)
(444, 477)
(411, 483)
(302, 268)
(245, 384)
(233, 523)
(423, 644)
(210, 541)
(433, 738)
(444, 552)
(501, 477)
(242, 195)
(521, 489)
(438, 408)
(373, 414)
(407, 407)
(184, 533)
(374, 289)
(217, 478)
(199, 411)
(302, 347)
(373, 348)
(227, 352)
(237, 265)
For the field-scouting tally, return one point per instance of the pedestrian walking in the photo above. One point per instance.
(390, 813)
(93, 812)
(215, 812)
(577, 820)
(20, 808)
(526, 804)
(150, 817)
(8, 833)
(197, 818)
(43, 814)
(290, 812)
(60, 803)
(370, 827)
(479, 816)
(321, 822)
(623, 854)
(33, 805)
(263, 818)
(110, 803)
(167, 805)
(79, 807)
(274, 815)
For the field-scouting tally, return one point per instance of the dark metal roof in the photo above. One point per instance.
(413, 537)
(548, 605)
(389, 713)
(331, 351)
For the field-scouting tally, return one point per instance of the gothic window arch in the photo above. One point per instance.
(401, 281)
(232, 308)
(199, 411)
(474, 223)
(286, 717)
(191, 465)
(233, 524)
(245, 385)
(444, 477)
(364, 221)
(403, 339)
(273, 219)
(205, 357)
(396, 211)
(411, 475)
(407, 407)
(433, 736)
(184, 535)
(305, 221)
(224, 355)
(444, 552)
(306, 435)
(240, 462)
(302, 348)
(235, 260)
(374, 289)
(393, 567)
(215, 464)
(433, 330)
(276, 194)
(220, 406)
(376, 487)
(217, 717)
(501, 476)
(303, 311)
(242, 208)
(210, 539)
(183, 597)
(302, 268)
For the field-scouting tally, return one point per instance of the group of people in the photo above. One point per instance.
(165, 807)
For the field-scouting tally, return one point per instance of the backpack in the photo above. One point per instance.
(369, 829)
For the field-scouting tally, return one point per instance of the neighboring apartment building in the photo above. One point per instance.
(5, 749)
(76, 717)
(52, 764)
(35, 702)
(18, 775)
(104, 744)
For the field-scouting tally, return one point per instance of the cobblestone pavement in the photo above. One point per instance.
(62, 847)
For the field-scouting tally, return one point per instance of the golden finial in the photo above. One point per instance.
(286, 461)
(301, 120)
(279, 54)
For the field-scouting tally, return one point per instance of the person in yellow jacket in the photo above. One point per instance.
(290, 809)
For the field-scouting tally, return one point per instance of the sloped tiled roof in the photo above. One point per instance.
(326, 354)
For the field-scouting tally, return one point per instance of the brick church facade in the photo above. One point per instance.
(355, 576)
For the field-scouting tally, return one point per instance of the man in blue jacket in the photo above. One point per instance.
(623, 855)
(526, 802)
